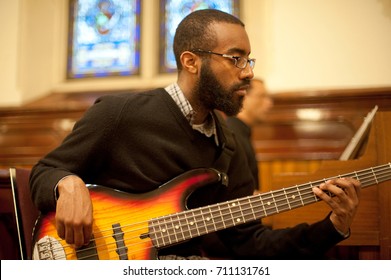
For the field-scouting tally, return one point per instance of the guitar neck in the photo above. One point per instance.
(182, 226)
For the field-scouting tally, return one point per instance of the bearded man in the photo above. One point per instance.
(137, 142)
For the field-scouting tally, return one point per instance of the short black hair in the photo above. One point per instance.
(194, 32)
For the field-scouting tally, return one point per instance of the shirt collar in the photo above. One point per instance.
(208, 128)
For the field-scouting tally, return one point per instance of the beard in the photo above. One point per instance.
(212, 95)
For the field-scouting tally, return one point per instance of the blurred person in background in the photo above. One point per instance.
(256, 105)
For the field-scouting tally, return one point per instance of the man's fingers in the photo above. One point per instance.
(87, 234)
(69, 236)
(60, 230)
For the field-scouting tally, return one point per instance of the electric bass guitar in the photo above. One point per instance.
(129, 226)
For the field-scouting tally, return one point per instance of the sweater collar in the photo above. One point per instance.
(207, 128)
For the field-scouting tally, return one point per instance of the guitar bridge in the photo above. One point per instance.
(48, 248)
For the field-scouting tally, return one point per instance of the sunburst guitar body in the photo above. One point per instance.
(135, 226)
(123, 225)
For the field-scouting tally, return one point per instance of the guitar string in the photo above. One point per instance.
(109, 229)
(285, 193)
(272, 207)
(283, 190)
(134, 251)
(170, 222)
(287, 206)
(202, 215)
(103, 245)
(148, 247)
(112, 235)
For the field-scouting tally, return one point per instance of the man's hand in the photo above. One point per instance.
(74, 211)
(344, 202)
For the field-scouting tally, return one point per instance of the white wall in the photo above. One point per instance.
(33, 47)
(299, 44)
(314, 44)
(9, 37)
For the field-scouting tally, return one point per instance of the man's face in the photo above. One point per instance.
(213, 94)
(221, 85)
(258, 102)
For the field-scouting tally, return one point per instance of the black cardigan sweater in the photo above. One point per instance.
(243, 136)
(137, 142)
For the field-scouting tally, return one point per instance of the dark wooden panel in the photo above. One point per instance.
(317, 124)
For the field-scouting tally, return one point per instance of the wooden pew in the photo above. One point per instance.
(285, 161)
(372, 226)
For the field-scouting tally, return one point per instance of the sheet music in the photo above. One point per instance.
(359, 136)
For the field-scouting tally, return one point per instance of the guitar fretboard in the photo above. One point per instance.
(178, 227)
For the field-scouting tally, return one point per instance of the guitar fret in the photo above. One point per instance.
(362, 176)
(374, 175)
(195, 225)
(186, 233)
(213, 219)
(159, 239)
(306, 194)
(293, 197)
(161, 234)
(263, 205)
(198, 223)
(240, 218)
(275, 204)
(230, 212)
(221, 215)
(165, 231)
(268, 198)
(234, 219)
(204, 220)
(219, 219)
(237, 213)
(259, 202)
(227, 216)
(251, 208)
(174, 227)
(287, 199)
(180, 226)
(283, 203)
(313, 194)
(247, 210)
(301, 197)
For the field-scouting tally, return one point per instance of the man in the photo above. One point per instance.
(137, 142)
(255, 107)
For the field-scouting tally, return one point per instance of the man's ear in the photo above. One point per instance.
(190, 62)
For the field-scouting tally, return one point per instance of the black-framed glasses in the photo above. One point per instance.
(239, 61)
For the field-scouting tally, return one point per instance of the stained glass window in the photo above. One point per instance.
(172, 12)
(104, 38)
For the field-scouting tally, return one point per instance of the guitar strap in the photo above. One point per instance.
(227, 144)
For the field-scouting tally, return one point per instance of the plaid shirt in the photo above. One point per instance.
(208, 127)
